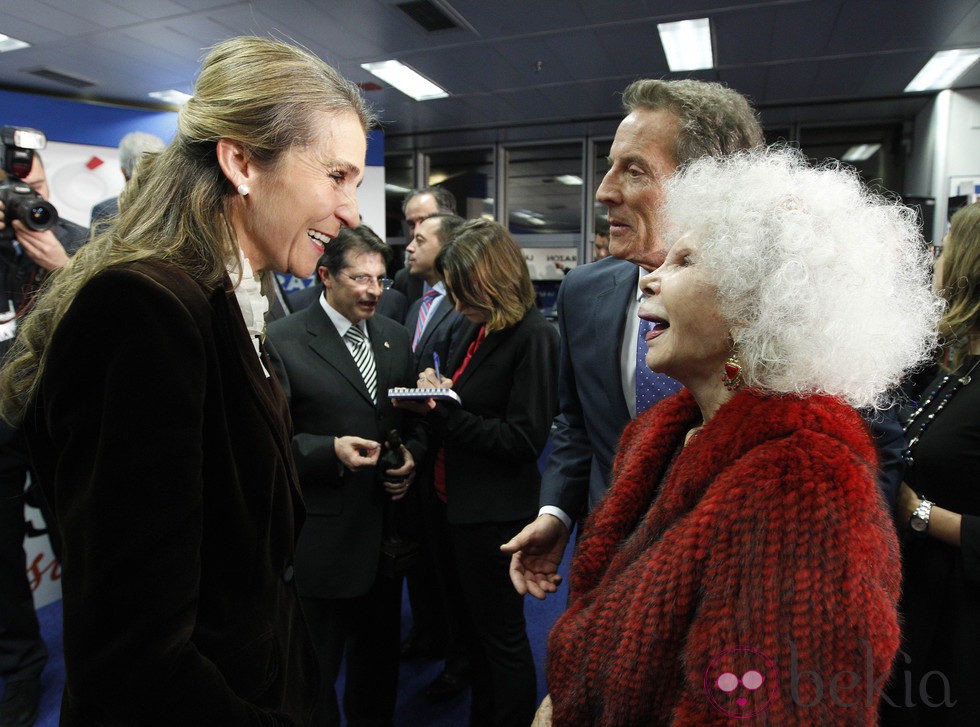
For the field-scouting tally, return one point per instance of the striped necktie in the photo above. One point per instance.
(651, 387)
(364, 358)
(427, 300)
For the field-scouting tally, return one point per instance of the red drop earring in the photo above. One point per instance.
(732, 377)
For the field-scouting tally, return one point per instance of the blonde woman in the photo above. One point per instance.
(152, 420)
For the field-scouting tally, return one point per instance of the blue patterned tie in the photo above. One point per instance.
(651, 387)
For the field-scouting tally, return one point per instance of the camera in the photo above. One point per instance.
(20, 202)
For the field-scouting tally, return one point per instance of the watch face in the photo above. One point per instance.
(918, 524)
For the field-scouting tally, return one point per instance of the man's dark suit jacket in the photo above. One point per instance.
(592, 305)
(165, 452)
(340, 545)
(445, 326)
(509, 394)
(102, 211)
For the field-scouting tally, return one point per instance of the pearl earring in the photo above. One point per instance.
(243, 189)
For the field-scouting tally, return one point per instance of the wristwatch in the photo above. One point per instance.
(919, 519)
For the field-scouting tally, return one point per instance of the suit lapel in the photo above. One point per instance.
(412, 317)
(609, 312)
(381, 347)
(490, 343)
(435, 319)
(267, 393)
(326, 343)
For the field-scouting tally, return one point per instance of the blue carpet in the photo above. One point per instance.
(412, 711)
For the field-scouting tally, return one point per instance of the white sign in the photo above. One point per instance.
(546, 263)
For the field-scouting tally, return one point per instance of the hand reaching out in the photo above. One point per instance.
(536, 553)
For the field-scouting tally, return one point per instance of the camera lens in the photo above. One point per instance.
(40, 217)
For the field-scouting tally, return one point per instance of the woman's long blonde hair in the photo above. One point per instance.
(961, 285)
(258, 92)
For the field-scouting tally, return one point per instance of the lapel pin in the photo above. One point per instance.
(386, 345)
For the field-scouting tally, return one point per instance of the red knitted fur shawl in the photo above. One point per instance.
(760, 581)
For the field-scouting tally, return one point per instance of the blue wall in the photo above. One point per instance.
(84, 123)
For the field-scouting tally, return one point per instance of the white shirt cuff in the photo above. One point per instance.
(558, 513)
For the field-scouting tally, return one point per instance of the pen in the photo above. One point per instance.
(435, 360)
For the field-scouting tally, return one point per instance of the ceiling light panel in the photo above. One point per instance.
(7, 43)
(406, 80)
(687, 44)
(943, 69)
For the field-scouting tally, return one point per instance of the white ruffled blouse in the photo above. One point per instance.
(254, 305)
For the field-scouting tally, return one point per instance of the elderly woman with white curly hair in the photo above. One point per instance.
(744, 564)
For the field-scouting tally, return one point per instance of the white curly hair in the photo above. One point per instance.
(825, 284)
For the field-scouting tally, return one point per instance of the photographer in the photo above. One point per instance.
(25, 260)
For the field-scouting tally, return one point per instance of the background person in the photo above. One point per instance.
(436, 329)
(25, 262)
(390, 305)
(487, 476)
(600, 244)
(744, 535)
(152, 420)
(131, 148)
(336, 361)
(935, 677)
(418, 205)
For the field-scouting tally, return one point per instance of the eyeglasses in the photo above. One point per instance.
(365, 280)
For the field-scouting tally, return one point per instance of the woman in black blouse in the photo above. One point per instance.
(937, 671)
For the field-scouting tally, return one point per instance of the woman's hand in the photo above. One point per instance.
(415, 406)
(542, 718)
(907, 502)
(429, 380)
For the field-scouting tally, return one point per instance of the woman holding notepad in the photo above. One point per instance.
(505, 374)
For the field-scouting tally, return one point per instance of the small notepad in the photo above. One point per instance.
(439, 394)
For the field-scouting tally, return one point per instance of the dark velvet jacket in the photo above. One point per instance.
(165, 451)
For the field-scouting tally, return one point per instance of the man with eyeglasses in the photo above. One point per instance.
(392, 304)
(336, 360)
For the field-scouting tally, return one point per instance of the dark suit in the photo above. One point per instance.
(165, 452)
(445, 326)
(492, 443)
(593, 302)
(350, 607)
(104, 210)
